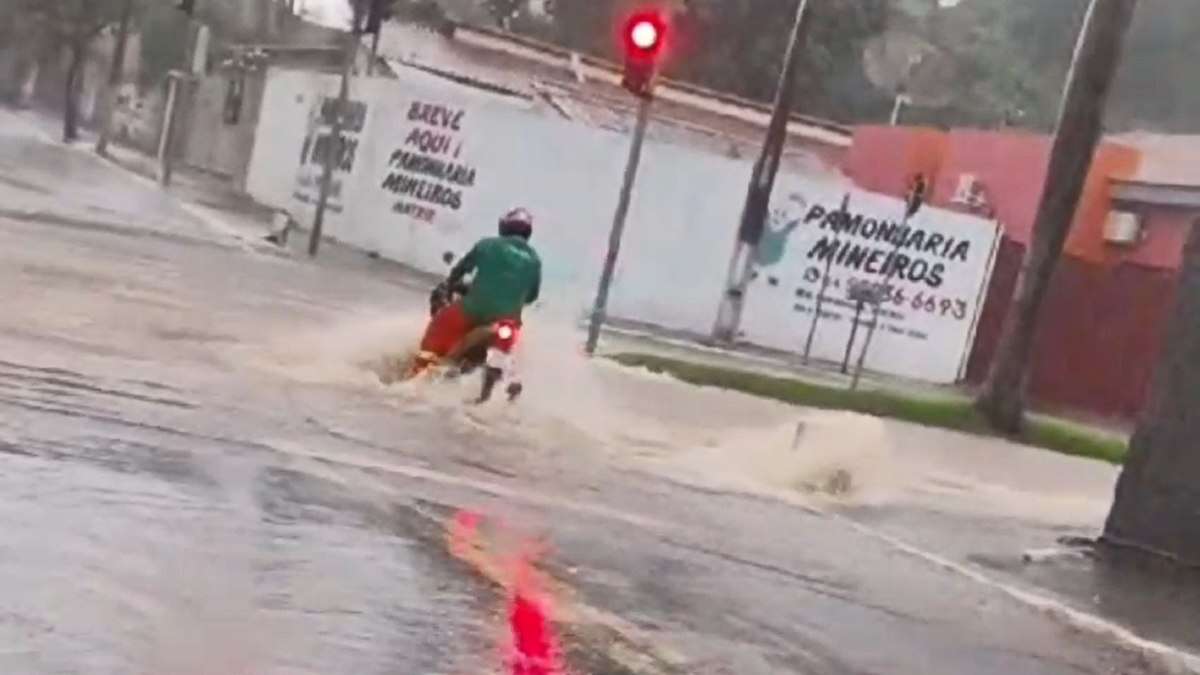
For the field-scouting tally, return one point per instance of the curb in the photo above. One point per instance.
(1173, 660)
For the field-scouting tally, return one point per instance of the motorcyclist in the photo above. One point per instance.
(508, 276)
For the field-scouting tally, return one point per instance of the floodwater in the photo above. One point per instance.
(202, 474)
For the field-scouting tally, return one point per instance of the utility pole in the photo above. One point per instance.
(179, 91)
(644, 35)
(1080, 124)
(115, 75)
(600, 310)
(762, 182)
(334, 147)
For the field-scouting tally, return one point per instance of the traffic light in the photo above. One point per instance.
(187, 7)
(644, 36)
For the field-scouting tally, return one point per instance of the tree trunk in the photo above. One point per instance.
(116, 72)
(1157, 505)
(71, 104)
(1080, 124)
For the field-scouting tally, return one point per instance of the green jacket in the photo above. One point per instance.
(508, 276)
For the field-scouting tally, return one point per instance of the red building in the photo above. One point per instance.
(1110, 299)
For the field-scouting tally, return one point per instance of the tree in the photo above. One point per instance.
(1157, 85)
(1080, 124)
(164, 43)
(504, 11)
(1157, 505)
(579, 25)
(115, 73)
(71, 25)
(427, 13)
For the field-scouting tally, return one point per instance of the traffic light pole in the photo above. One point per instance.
(762, 182)
(600, 309)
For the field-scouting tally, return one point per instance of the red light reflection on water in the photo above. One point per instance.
(532, 647)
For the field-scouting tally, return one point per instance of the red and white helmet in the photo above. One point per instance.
(517, 223)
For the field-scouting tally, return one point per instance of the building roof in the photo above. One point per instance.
(587, 90)
(1167, 159)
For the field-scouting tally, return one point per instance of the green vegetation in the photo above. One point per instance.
(944, 413)
(1007, 58)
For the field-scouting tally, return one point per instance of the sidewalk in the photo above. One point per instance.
(623, 336)
(222, 208)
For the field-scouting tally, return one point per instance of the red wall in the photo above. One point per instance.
(1164, 232)
(1099, 338)
(994, 158)
(1011, 166)
(883, 159)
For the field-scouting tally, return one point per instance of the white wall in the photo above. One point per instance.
(681, 225)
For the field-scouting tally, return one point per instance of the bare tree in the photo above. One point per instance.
(504, 11)
(71, 25)
(116, 72)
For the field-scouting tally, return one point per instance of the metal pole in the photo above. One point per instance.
(618, 227)
(858, 307)
(333, 147)
(165, 138)
(115, 73)
(812, 327)
(762, 182)
(901, 101)
(862, 356)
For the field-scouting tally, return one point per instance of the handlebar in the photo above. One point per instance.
(445, 293)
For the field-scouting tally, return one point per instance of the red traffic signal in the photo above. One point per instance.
(644, 36)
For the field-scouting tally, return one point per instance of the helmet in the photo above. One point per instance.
(517, 223)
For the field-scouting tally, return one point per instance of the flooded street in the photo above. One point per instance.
(202, 475)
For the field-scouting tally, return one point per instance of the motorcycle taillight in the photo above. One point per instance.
(506, 334)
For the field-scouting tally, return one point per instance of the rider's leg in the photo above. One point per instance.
(445, 330)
